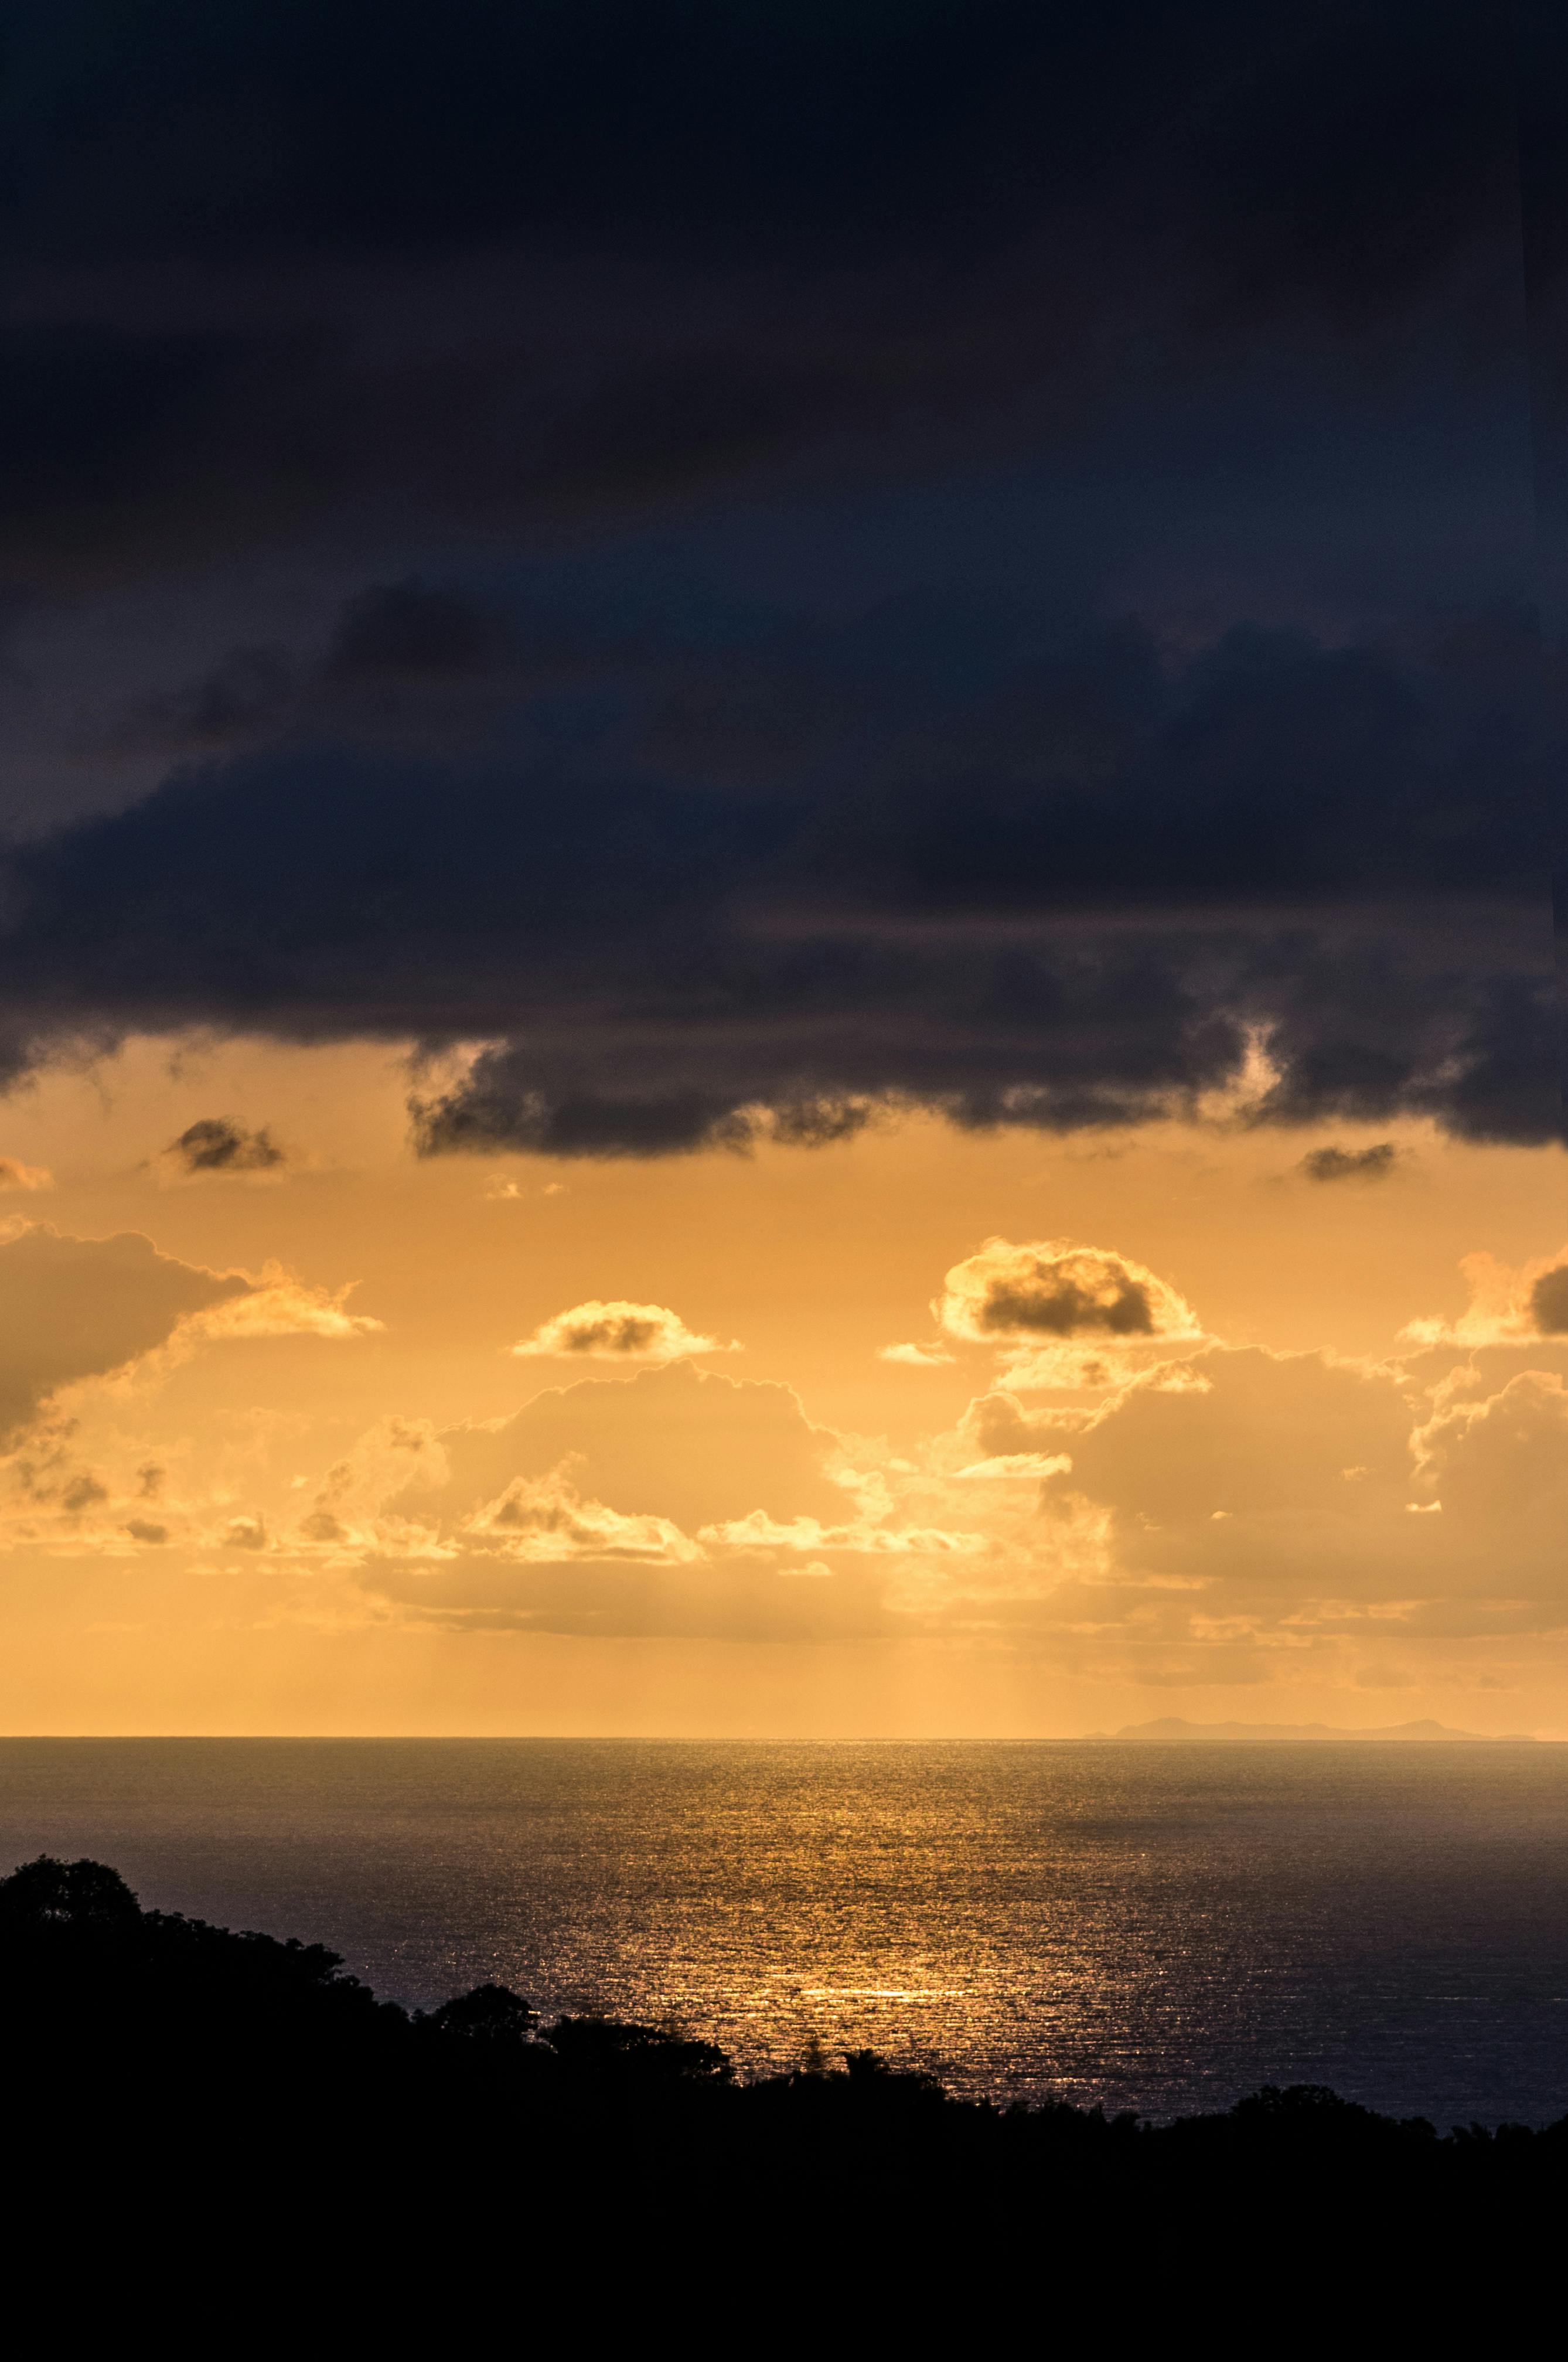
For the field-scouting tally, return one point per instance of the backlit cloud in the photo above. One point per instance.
(617, 1331)
(280, 1305)
(545, 1519)
(1010, 1295)
(215, 1147)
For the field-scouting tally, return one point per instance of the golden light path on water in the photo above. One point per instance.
(1135, 1926)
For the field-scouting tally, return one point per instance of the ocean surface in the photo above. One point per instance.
(1161, 1928)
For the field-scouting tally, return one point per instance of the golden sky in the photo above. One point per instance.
(923, 1432)
(694, 643)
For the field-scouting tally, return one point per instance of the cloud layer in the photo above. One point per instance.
(519, 439)
(1186, 1512)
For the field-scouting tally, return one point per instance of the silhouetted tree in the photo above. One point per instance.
(49, 1893)
(491, 2013)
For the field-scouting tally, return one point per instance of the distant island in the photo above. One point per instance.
(1171, 1730)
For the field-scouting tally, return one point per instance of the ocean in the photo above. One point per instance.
(1159, 1928)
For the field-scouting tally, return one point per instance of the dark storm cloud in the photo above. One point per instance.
(290, 280)
(239, 700)
(269, 261)
(404, 631)
(355, 128)
(406, 663)
(1142, 864)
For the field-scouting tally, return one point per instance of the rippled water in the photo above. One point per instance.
(1157, 1928)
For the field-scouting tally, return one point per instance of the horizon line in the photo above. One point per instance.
(1289, 1735)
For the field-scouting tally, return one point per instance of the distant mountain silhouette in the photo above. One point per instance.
(1171, 1729)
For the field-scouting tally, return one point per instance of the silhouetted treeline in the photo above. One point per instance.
(223, 2108)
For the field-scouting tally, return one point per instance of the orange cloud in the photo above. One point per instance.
(1054, 1290)
(278, 1307)
(544, 1520)
(617, 1331)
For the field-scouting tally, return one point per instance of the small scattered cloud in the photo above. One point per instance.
(617, 1331)
(916, 1357)
(14, 1174)
(1374, 1164)
(1021, 1295)
(216, 1147)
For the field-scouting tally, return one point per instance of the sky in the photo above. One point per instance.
(778, 788)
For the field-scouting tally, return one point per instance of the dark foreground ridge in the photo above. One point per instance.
(237, 2116)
